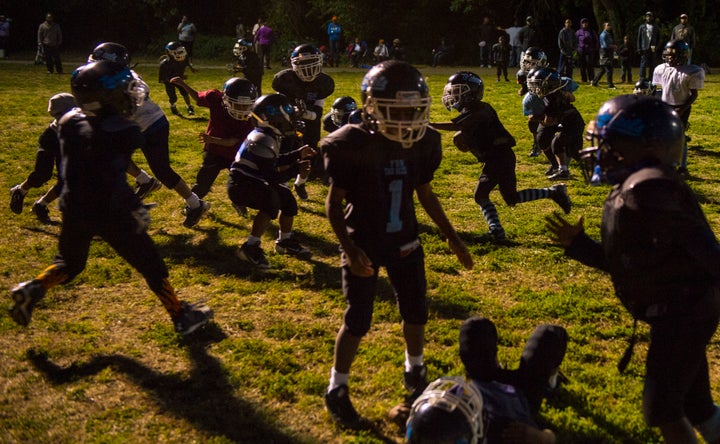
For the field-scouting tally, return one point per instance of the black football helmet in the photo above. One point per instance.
(462, 89)
(275, 112)
(355, 116)
(341, 109)
(396, 102)
(532, 57)
(106, 88)
(306, 61)
(544, 81)
(449, 410)
(114, 52)
(241, 46)
(176, 50)
(632, 131)
(238, 97)
(644, 87)
(676, 52)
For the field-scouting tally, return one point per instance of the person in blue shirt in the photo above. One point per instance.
(607, 54)
(334, 32)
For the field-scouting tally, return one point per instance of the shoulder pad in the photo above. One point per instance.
(262, 144)
(655, 188)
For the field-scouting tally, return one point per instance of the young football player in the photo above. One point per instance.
(259, 176)
(662, 256)
(531, 58)
(173, 64)
(339, 114)
(480, 132)
(248, 63)
(156, 135)
(96, 143)
(377, 168)
(307, 87)
(46, 158)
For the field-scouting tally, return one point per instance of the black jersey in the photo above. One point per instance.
(483, 130)
(170, 68)
(559, 107)
(251, 68)
(96, 152)
(380, 178)
(304, 94)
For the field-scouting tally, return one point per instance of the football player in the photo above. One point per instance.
(46, 158)
(376, 168)
(97, 141)
(173, 64)
(259, 176)
(529, 59)
(156, 133)
(307, 87)
(480, 132)
(662, 256)
(339, 114)
(248, 62)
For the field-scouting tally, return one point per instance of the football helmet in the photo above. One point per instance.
(176, 50)
(396, 102)
(676, 52)
(644, 87)
(59, 104)
(306, 61)
(355, 116)
(114, 52)
(532, 57)
(341, 109)
(544, 81)
(632, 131)
(241, 46)
(238, 97)
(462, 89)
(106, 88)
(449, 410)
(275, 112)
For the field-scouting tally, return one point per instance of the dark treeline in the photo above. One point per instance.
(144, 25)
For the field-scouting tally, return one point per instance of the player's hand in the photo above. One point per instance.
(203, 138)
(177, 80)
(142, 217)
(306, 151)
(360, 264)
(458, 247)
(562, 231)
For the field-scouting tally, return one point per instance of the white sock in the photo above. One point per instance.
(253, 240)
(337, 379)
(143, 177)
(411, 361)
(193, 201)
(283, 236)
(299, 180)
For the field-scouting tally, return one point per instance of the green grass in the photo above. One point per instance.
(100, 362)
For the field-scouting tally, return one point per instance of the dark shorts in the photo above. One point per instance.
(499, 170)
(269, 198)
(407, 277)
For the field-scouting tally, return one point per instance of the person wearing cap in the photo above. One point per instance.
(685, 32)
(334, 32)
(529, 35)
(587, 48)
(648, 37)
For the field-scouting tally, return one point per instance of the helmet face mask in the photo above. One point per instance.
(240, 47)
(533, 57)
(238, 97)
(341, 109)
(176, 51)
(306, 61)
(107, 88)
(275, 112)
(676, 52)
(543, 81)
(644, 88)
(462, 89)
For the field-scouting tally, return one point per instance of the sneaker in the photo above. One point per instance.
(611, 87)
(192, 317)
(415, 381)
(193, 215)
(559, 194)
(535, 151)
(41, 212)
(173, 109)
(560, 175)
(142, 190)
(191, 110)
(551, 170)
(341, 409)
(25, 295)
(292, 247)
(301, 191)
(241, 210)
(253, 254)
(16, 199)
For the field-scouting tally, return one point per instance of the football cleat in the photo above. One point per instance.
(341, 409)
(41, 212)
(25, 295)
(559, 194)
(301, 191)
(191, 317)
(253, 254)
(142, 190)
(560, 175)
(193, 215)
(292, 247)
(17, 196)
(415, 381)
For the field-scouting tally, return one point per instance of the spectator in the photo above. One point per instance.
(529, 34)
(648, 38)
(256, 26)
(487, 39)
(683, 31)
(607, 56)
(441, 54)
(381, 52)
(240, 28)
(334, 32)
(50, 38)
(4, 36)
(397, 52)
(186, 36)
(356, 52)
(625, 52)
(513, 33)
(588, 46)
(263, 39)
(663, 259)
(567, 42)
(500, 57)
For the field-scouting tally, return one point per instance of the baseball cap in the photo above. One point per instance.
(648, 14)
(584, 20)
(683, 16)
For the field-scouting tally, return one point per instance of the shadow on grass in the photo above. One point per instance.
(204, 398)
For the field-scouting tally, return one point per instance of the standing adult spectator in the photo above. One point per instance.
(515, 46)
(683, 31)
(4, 36)
(263, 39)
(607, 56)
(256, 26)
(567, 42)
(647, 40)
(625, 52)
(240, 28)
(397, 52)
(334, 32)
(588, 45)
(487, 39)
(186, 35)
(381, 52)
(529, 34)
(50, 38)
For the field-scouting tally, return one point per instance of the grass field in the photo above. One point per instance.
(100, 361)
